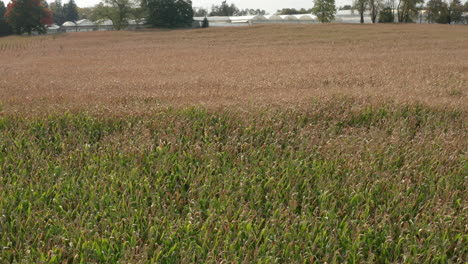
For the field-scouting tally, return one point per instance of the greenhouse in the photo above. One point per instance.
(274, 18)
(84, 25)
(220, 21)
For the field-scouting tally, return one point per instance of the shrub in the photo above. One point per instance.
(205, 23)
(386, 16)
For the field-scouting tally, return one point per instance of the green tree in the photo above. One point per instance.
(70, 10)
(26, 16)
(119, 11)
(200, 12)
(325, 10)
(85, 12)
(437, 12)
(361, 7)
(58, 12)
(386, 15)
(170, 13)
(465, 9)
(205, 23)
(456, 12)
(5, 29)
(293, 11)
(224, 10)
(139, 13)
(407, 10)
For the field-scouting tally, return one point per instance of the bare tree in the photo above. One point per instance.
(374, 8)
(407, 10)
(361, 7)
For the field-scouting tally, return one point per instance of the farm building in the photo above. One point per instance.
(342, 16)
(217, 21)
(350, 16)
(68, 27)
(85, 25)
(82, 25)
(274, 18)
(104, 25)
(53, 29)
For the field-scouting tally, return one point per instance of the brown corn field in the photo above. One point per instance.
(261, 65)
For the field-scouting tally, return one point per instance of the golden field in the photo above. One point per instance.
(261, 65)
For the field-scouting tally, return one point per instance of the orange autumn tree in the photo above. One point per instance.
(26, 16)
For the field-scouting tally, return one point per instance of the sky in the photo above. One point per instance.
(269, 5)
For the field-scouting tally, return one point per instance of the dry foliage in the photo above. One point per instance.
(261, 65)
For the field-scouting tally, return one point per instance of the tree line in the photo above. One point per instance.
(409, 11)
(380, 11)
(439, 11)
(390, 11)
(24, 16)
(27, 16)
(225, 9)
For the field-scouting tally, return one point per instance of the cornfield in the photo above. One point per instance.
(289, 144)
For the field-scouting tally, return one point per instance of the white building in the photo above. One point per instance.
(85, 25)
(342, 16)
(225, 21)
